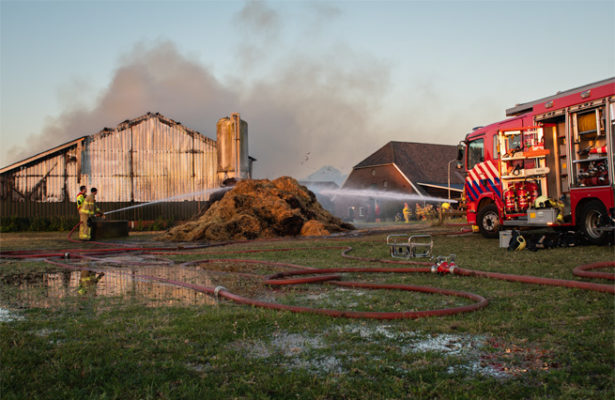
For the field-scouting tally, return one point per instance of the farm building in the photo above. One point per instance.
(151, 158)
(421, 169)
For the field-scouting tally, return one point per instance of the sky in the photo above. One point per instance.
(319, 82)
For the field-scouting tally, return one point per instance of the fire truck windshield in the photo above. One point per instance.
(476, 152)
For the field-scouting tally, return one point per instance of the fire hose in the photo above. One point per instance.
(583, 270)
(580, 271)
(219, 291)
(276, 280)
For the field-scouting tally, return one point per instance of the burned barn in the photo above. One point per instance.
(420, 169)
(149, 159)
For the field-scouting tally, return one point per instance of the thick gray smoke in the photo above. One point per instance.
(311, 108)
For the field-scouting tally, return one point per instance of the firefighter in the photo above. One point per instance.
(86, 215)
(406, 212)
(441, 211)
(83, 191)
(88, 281)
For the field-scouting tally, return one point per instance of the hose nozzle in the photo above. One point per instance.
(444, 265)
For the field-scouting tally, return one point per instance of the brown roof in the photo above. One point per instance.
(420, 162)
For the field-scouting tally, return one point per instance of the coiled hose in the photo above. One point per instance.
(329, 275)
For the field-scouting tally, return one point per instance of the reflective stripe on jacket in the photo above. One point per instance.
(89, 206)
(80, 200)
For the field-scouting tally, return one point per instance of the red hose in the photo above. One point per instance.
(325, 276)
(248, 250)
(480, 301)
(71, 232)
(537, 280)
(520, 278)
(582, 270)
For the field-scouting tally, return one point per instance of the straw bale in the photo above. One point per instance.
(260, 209)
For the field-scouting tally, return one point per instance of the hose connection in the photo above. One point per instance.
(217, 291)
(444, 265)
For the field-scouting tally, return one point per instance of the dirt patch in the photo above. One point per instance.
(261, 209)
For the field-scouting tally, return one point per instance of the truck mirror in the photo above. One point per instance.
(460, 151)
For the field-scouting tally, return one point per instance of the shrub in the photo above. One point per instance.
(37, 224)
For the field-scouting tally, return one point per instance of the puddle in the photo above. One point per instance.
(445, 343)
(49, 289)
(9, 316)
(282, 344)
(127, 259)
(332, 298)
(297, 352)
(301, 352)
(372, 332)
(477, 354)
(198, 367)
(474, 367)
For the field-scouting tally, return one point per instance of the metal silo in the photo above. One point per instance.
(232, 148)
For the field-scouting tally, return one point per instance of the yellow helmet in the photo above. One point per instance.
(542, 202)
(521, 243)
(517, 242)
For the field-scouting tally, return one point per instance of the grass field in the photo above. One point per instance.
(133, 339)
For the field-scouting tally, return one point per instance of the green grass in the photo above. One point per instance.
(530, 342)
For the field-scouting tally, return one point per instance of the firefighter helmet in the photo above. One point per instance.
(517, 242)
(542, 202)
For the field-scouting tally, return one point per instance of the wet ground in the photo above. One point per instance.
(474, 354)
(49, 289)
(126, 277)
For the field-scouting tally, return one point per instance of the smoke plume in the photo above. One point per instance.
(310, 108)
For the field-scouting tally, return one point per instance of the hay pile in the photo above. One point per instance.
(261, 209)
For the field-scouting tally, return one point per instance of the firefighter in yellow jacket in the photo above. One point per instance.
(86, 213)
(83, 191)
(88, 281)
(406, 211)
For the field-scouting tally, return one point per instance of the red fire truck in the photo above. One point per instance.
(550, 164)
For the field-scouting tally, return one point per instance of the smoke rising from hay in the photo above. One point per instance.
(316, 102)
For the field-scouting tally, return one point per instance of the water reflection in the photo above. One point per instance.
(49, 289)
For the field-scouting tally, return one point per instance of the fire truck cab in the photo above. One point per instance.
(550, 164)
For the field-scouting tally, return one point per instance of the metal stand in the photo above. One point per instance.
(410, 246)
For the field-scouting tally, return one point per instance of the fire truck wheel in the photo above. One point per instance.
(488, 221)
(590, 218)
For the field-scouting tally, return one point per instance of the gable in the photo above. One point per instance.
(420, 162)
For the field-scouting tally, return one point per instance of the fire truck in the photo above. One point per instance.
(550, 164)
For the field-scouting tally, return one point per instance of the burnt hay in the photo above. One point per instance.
(261, 209)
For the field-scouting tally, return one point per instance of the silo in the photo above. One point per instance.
(232, 148)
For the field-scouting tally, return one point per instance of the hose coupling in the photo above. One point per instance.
(217, 291)
(444, 265)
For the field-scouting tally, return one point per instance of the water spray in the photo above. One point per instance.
(177, 197)
(383, 195)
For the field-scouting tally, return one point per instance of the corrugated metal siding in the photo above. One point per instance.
(51, 180)
(149, 161)
(150, 158)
